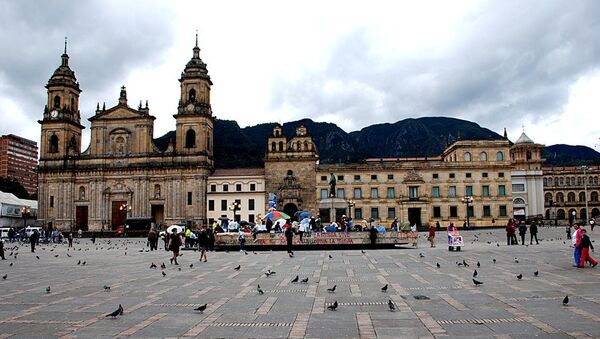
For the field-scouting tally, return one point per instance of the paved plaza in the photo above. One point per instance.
(431, 301)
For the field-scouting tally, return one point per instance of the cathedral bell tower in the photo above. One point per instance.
(194, 130)
(61, 127)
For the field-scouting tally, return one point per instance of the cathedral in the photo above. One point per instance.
(123, 176)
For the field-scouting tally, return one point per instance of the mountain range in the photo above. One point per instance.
(237, 147)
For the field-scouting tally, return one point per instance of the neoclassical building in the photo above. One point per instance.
(565, 193)
(122, 174)
(414, 190)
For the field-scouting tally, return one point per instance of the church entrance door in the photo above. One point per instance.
(158, 214)
(81, 218)
(290, 209)
(118, 216)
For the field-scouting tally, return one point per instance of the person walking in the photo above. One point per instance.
(174, 245)
(70, 238)
(568, 230)
(94, 238)
(33, 240)
(585, 246)
(188, 237)
(203, 242)
(289, 237)
(373, 235)
(2, 249)
(533, 230)
(438, 227)
(592, 224)
(509, 232)
(431, 237)
(211, 239)
(242, 240)
(153, 239)
(576, 240)
(522, 232)
(394, 225)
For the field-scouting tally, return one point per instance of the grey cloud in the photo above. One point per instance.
(513, 59)
(107, 39)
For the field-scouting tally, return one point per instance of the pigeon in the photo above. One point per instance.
(179, 268)
(10, 264)
(4, 277)
(295, 280)
(68, 255)
(163, 266)
(332, 290)
(56, 256)
(384, 288)
(259, 290)
(164, 274)
(238, 267)
(330, 257)
(566, 300)
(520, 276)
(478, 264)
(333, 307)
(474, 273)
(465, 263)
(79, 262)
(191, 265)
(83, 263)
(362, 251)
(200, 308)
(304, 281)
(494, 260)
(477, 283)
(421, 255)
(106, 288)
(391, 305)
(459, 263)
(37, 257)
(119, 311)
(536, 273)
(516, 260)
(48, 289)
(153, 265)
(438, 265)
(497, 245)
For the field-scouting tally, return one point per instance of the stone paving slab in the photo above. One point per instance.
(446, 304)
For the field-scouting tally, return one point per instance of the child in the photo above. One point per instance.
(585, 246)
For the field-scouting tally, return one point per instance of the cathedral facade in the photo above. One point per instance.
(123, 176)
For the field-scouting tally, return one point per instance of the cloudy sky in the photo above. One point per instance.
(498, 63)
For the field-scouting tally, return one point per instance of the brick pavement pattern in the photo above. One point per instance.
(430, 301)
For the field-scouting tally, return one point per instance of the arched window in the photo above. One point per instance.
(579, 181)
(595, 180)
(190, 138)
(120, 145)
(560, 197)
(482, 156)
(57, 102)
(561, 181)
(594, 196)
(277, 132)
(73, 143)
(547, 197)
(299, 146)
(529, 156)
(499, 156)
(273, 146)
(519, 201)
(582, 214)
(572, 181)
(81, 193)
(595, 212)
(581, 196)
(192, 95)
(208, 143)
(547, 214)
(72, 102)
(467, 156)
(53, 144)
(571, 197)
(560, 214)
(281, 146)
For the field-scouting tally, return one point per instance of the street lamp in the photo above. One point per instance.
(467, 199)
(235, 206)
(585, 168)
(25, 212)
(351, 204)
(125, 208)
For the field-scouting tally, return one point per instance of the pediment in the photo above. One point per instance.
(118, 113)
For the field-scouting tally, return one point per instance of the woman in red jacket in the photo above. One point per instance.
(585, 244)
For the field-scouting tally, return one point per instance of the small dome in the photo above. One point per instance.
(524, 139)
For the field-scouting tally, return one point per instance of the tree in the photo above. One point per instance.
(9, 185)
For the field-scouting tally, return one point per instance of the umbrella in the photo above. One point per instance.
(276, 215)
(302, 214)
(179, 228)
(244, 223)
(223, 218)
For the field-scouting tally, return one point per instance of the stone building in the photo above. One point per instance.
(565, 193)
(527, 183)
(244, 186)
(122, 176)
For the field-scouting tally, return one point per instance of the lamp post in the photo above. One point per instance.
(585, 168)
(467, 199)
(24, 213)
(351, 204)
(235, 206)
(125, 208)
